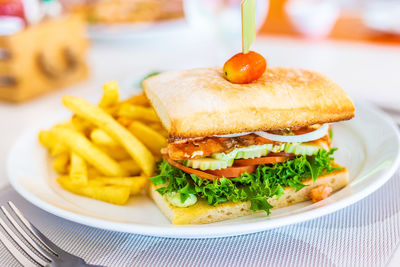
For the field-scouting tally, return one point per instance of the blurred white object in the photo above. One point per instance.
(51, 8)
(221, 18)
(219, 23)
(10, 25)
(32, 10)
(383, 16)
(313, 18)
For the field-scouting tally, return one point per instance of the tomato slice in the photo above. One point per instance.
(257, 161)
(280, 154)
(231, 172)
(241, 166)
(201, 174)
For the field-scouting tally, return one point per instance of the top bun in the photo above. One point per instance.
(201, 102)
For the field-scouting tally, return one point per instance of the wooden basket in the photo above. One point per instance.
(43, 58)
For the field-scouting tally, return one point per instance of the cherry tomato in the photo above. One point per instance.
(245, 68)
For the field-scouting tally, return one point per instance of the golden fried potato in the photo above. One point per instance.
(130, 166)
(45, 139)
(79, 144)
(140, 100)
(104, 121)
(117, 153)
(58, 149)
(118, 195)
(60, 163)
(136, 184)
(138, 113)
(152, 139)
(92, 172)
(158, 127)
(48, 140)
(82, 125)
(78, 169)
(124, 121)
(110, 95)
(99, 137)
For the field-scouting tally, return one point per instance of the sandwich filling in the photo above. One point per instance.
(243, 167)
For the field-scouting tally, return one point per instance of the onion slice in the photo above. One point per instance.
(232, 135)
(301, 138)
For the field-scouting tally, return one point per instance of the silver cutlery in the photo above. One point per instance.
(29, 246)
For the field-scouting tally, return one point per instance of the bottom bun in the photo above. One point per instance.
(201, 212)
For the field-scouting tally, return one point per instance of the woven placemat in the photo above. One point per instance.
(364, 234)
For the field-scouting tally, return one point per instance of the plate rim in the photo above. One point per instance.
(192, 231)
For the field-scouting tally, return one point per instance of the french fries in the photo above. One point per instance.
(105, 122)
(60, 163)
(106, 152)
(92, 172)
(118, 195)
(81, 125)
(130, 166)
(136, 184)
(48, 140)
(78, 170)
(101, 138)
(117, 153)
(110, 95)
(140, 100)
(153, 140)
(124, 121)
(79, 144)
(156, 126)
(137, 112)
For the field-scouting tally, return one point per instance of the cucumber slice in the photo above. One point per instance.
(308, 150)
(257, 151)
(225, 156)
(174, 198)
(208, 163)
(250, 152)
(278, 148)
(290, 147)
(301, 149)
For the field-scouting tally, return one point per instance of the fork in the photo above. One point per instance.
(40, 251)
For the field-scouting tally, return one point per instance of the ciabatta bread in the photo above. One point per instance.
(201, 102)
(201, 212)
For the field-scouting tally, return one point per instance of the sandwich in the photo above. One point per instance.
(237, 149)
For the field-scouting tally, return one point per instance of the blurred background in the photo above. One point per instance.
(78, 45)
(51, 44)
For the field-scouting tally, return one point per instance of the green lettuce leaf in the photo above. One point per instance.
(266, 182)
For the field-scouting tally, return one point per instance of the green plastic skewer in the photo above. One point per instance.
(248, 8)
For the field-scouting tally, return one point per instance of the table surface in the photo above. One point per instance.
(364, 70)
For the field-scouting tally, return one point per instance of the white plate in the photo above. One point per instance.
(369, 147)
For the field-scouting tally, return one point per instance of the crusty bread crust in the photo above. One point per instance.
(201, 102)
(202, 213)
